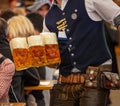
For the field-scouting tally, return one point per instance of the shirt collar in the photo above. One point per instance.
(54, 2)
(64, 2)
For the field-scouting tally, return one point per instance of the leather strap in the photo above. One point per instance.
(2, 59)
(105, 67)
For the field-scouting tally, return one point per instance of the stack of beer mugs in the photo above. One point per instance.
(35, 51)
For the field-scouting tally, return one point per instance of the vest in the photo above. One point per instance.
(86, 45)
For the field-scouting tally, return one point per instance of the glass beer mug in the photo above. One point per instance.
(20, 52)
(51, 47)
(37, 50)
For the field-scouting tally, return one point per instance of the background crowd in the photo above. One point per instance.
(32, 17)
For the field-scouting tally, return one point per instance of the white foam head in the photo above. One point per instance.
(35, 40)
(18, 43)
(49, 37)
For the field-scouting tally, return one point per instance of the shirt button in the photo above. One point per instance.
(67, 30)
(70, 46)
(74, 63)
(76, 10)
(72, 54)
(63, 13)
(70, 38)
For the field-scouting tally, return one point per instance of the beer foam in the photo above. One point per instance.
(49, 37)
(35, 40)
(18, 43)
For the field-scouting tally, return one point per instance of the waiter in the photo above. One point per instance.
(79, 28)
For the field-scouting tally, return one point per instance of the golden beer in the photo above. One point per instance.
(52, 53)
(38, 56)
(21, 58)
(37, 51)
(20, 53)
(51, 47)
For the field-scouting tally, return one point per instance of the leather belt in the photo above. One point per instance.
(73, 78)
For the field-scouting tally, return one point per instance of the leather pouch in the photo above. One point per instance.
(97, 78)
(109, 80)
(91, 77)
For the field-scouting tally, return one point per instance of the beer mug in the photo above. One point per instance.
(51, 47)
(37, 50)
(20, 52)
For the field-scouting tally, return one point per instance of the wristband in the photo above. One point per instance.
(2, 59)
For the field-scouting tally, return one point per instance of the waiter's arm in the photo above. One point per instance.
(106, 9)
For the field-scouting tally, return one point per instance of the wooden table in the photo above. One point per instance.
(12, 104)
(39, 87)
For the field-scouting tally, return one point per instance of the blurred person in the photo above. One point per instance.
(20, 8)
(80, 33)
(7, 14)
(19, 11)
(17, 7)
(111, 34)
(20, 79)
(16, 92)
(12, 4)
(7, 70)
(7, 67)
(15, 29)
(0, 10)
(37, 21)
(40, 6)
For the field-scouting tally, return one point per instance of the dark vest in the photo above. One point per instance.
(86, 45)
